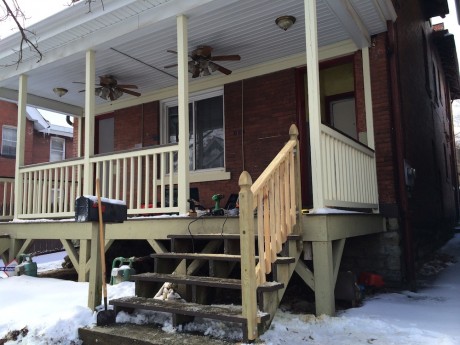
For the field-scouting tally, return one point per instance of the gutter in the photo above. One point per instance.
(398, 137)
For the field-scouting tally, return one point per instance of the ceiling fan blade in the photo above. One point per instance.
(220, 68)
(129, 86)
(78, 82)
(129, 92)
(225, 58)
(171, 51)
(169, 66)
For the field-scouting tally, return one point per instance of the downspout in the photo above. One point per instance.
(400, 155)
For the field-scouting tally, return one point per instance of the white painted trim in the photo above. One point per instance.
(183, 116)
(351, 21)
(20, 143)
(368, 98)
(90, 101)
(314, 105)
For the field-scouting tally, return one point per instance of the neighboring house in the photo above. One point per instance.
(44, 142)
(371, 97)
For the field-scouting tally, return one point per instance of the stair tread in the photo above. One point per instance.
(229, 313)
(220, 236)
(214, 256)
(227, 283)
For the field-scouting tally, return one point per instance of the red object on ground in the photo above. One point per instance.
(371, 279)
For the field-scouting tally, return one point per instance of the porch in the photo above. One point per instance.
(156, 179)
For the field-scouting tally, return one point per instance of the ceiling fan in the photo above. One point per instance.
(203, 64)
(108, 88)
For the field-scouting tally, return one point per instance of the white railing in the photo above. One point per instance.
(275, 196)
(349, 172)
(6, 198)
(141, 178)
(49, 190)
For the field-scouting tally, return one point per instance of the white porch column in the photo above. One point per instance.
(89, 121)
(20, 144)
(314, 106)
(368, 98)
(183, 184)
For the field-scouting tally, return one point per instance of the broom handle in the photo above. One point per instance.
(102, 242)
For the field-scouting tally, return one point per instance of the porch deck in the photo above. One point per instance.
(325, 234)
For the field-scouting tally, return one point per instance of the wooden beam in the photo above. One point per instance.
(158, 247)
(304, 272)
(24, 246)
(71, 252)
(337, 251)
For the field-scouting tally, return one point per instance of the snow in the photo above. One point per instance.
(53, 310)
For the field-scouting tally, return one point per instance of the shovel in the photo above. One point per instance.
(104, 317)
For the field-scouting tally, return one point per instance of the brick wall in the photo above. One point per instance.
(258, 113)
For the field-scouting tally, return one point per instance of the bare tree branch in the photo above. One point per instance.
(15, 13)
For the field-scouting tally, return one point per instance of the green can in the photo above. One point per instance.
(26, 266)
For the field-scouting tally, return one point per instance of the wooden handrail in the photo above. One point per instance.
(275, 195)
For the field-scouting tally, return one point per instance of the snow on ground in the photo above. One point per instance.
(53, 310)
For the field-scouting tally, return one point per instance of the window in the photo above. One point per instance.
(206, 129)
(9, 138)
(57, 149)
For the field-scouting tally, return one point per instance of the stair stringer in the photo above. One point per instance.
(282, 272)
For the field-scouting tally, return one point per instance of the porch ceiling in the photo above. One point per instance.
(146, 29)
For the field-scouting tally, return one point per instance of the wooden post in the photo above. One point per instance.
(314, 103)
(323, 267)
(95, 277)
(248, 273)
(83, 259)
(294, 135)
(20, 145)
(89, 122)
(183, 185)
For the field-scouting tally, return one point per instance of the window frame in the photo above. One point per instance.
(8, 127)
(198, 96)
(58, 139)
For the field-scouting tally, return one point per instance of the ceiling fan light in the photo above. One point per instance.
(104, 93)
(60, 91)
(97, 91)
(117, 93)
(206, 72)
(285, 22)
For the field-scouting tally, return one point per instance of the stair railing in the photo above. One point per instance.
(274, 196)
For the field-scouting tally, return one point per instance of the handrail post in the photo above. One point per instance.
(294, 135)
(248, 272)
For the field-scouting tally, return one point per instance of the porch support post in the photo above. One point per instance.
(323, 267)
(95, 270)
(183, 184)
(89, 121)
(314, 106)
(368, 98)
(20, 144)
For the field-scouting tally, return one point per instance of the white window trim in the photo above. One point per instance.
(9, 127)
(62, 140)
(202, 175)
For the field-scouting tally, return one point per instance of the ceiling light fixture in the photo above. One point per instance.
(60, 91)
(285, 22)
